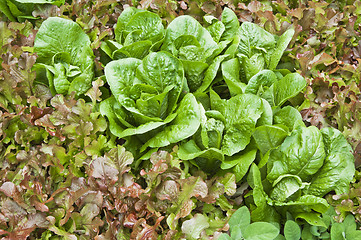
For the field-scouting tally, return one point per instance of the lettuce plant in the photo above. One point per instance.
(147, 101)
(231, 129)
(226, 129)
(200, 48)
(65, 60)
(299, 172)
(259, 49)
(136, 34)
(227, 126)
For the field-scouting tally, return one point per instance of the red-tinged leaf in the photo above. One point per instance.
(39, 206)
(322, 58)
(185, 209)
(94, 197)
(94, 93)
(304, 60)
(37, 113)
(297, 13)
(122, 160)
(143, 231)
(10, 190)
(167, 190)
(67, 216)
(183, 5)
(104, 169)
(130, 221)
(195, 186)
(10, 209)
(133, 191)
(88, 212)
(357, 154)
(37, 220)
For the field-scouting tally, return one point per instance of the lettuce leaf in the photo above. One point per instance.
(64, 51)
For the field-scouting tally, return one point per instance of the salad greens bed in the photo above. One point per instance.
(179, 120)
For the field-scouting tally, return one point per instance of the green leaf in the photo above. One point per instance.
(135, 50)
(269, 137)
(350, 223)
(288, 87)
(143, 25)
(186, 25)
(194, 73)
(216, 28)
(245, 159)
(292, 231)
(224, 236)
(284, 187)
(4, 8)
(264, 78)
(62, 36)
(212, 129)
(253, 38)
(211, 73)
(61, 82)
(251, 66)
(230, 22)
(281, 45)
(193, 228)
(240, 163)
(267, 115)
(161, 70)
(300, 154)
(147, 127)
(120, 75)
(310, 204)
(106, 109)
(262, 211)
(338, 231)
(190, 150)
(240, 219)
(183, 126)
(236, 234)
(230, 72)
(306, 232)
(338, 169)
(241, 113)
(122, 21)
(261, 231)
(353, 235)
(288, 116)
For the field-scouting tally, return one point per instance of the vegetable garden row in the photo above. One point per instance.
(180, 119)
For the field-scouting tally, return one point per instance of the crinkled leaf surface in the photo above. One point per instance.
(241, 113)
(120, 75)
(254, 38)
(61, 36)
(184, 125)
(338, 169)
(301, 154)
(161, 70)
